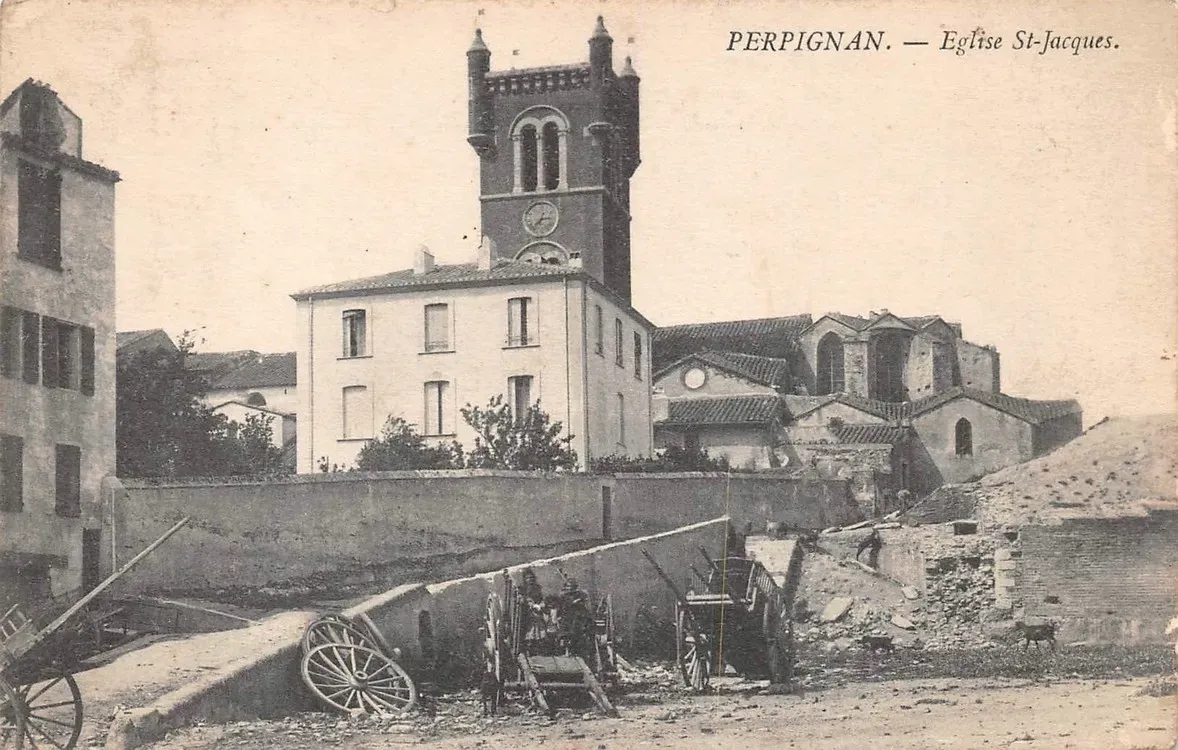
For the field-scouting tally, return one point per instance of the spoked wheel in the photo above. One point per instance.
(42, 714)
(603, 621)
(493, 641)
(349, 677)
(339, 630)
(12, 718)
(694, 658)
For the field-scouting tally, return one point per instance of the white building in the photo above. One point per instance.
(420, 344)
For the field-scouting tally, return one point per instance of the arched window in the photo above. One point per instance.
(550, 146)
(539, 142)
(963, 437)
(255, 399)
(528, 158)
(830, 375)
(547, 253)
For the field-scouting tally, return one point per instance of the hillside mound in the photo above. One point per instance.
(1111, 470)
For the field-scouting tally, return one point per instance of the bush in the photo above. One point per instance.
(401, 448)
(670, 459)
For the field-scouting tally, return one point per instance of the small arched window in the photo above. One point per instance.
(528, 158)
(830, 373)
(550, 146)
(255, 399)
(963, 437)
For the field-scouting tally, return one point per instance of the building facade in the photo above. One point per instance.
(57, 348)
(543, 315)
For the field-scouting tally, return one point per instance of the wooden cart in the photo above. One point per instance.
(738, 618)
(550, 646)
(40, 703)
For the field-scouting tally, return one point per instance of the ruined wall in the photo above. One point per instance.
(979, 367)
(1104, 580)
(1053, 433)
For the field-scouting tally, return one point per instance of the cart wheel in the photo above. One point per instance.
(607, 658)
(336, 629)
(779, 646)
(694, 658)
(12, 718)
(349, 677)
(52, 714)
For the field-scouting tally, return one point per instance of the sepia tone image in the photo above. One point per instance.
(588, 375)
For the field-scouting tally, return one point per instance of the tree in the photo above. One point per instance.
(400, 447)
(162, 428)
(530, 443)
(671, 458)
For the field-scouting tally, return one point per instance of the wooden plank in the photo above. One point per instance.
(533, 683)
(594, 687)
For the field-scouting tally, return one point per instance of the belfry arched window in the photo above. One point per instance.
(539, 140)
(830, 373)
(963, 437)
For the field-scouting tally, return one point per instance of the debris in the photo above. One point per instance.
(910, 592)
(837, 608)
(903, 622)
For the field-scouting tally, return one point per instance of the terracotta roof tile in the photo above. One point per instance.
(765, 337)
(267, 370)
(724, 411)
(770, 371)
(442, 275)
(870, 434)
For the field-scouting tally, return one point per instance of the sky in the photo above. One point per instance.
(267, 146)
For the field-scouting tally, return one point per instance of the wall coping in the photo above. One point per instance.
(364, 476)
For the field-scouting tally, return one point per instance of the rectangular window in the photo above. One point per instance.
(599, 329)
(437, 419)
(355, 333)
(12, 462)
(619, 358)
(49, 360)
(357, 413)
(39, 215)
(69, 481)
(68, 371)
(621, 419)
(30, 345)
(437, 328)
(10, 343)
(520, 390)
(86, 377)
(520, 323)
(638, 355)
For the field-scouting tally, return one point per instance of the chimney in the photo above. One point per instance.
(487, 254)
(423, 261)
(660, 406)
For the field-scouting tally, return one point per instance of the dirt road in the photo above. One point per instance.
(904, 715)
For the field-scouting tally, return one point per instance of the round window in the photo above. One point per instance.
(694, 378)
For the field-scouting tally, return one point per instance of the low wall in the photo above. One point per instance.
(1104, 580)
(268, 684)
(326, 532)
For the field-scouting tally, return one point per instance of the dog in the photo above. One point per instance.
(1035, 633)
(877, 643)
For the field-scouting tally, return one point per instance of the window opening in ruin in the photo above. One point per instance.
(889, 366)
(1051, 599)
(962, 528)
(831, 376)
(963, 437)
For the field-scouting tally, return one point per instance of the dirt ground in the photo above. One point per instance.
(905, 714)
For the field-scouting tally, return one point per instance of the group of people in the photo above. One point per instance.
(556, 624)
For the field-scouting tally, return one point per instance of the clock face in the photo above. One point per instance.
(694, 378)
(540, 218)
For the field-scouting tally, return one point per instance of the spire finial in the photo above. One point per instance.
(478, 45)
(599, 30)
(628, 69)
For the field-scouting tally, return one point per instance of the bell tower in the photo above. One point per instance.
(557, 147)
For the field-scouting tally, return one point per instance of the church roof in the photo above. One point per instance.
(1028, 410)
(770, 371)
(726, 410)
(766, 337)
(858, 323)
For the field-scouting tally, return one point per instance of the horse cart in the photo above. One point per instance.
(735, 616)
(40, 703)
(549, 646)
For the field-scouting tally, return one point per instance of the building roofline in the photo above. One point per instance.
(12, 140)
(239, 402)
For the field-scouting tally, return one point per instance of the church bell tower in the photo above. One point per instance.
(557, 146)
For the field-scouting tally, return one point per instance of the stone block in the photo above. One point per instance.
(903, 622)
(910, 592)
(837, 608)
